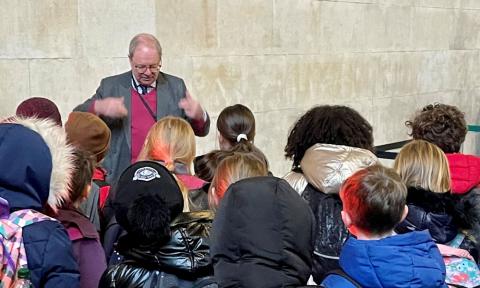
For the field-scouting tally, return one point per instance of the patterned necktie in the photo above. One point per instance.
(144, 89)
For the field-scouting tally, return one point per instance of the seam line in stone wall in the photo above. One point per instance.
(326, 53)
(398, 5)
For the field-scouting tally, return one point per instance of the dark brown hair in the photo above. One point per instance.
(375, 199)
(339, 125)
(82, 176)
(235, 120)
(440, 124)
(205, 165)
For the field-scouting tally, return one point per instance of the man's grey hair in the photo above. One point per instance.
(144, 38)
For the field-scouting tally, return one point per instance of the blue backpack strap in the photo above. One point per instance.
(338, 278)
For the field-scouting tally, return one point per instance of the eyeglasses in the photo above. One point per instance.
(143, 68)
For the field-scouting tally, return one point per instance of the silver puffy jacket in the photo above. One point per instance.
(326, 166)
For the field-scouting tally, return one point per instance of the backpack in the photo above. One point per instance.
(461, 272)
(12, 250)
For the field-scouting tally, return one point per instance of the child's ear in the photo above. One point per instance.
(346, 219)
(405, 213)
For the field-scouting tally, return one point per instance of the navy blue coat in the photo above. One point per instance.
(25, 183)
(429, 211)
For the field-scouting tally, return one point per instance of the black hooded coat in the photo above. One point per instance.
(262, 235)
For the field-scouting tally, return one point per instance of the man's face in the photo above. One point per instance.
(145, 64)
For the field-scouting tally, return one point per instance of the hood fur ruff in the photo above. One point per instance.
(62, 156)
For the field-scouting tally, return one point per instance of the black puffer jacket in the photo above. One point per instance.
(262, 235)
(429, 211)
(183, 262)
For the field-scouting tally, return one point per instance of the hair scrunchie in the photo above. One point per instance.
(241, 136)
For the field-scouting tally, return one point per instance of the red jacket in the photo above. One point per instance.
(465, 172)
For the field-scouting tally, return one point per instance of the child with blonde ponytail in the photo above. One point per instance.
(171, 141)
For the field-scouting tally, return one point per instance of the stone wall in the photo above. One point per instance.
(385, 58)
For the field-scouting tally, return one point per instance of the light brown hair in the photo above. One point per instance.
(423, 165)
(232, 169)
(171, 140)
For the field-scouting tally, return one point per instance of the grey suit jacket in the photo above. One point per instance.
(170, 90)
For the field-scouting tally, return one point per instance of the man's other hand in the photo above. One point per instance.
(191, 107)
(111, 107)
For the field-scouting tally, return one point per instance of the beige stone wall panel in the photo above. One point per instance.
(245, 27)
(38, 29)
(187, 27)
(467, 32)
(398, 28)
(180, 66)
(439, 3)
(409, 3)
(305, 75)
(210, 142)
(13, 72)
(219, 79)
(470, 4)
(256, 81)
(272, 132)
(387, 126)
(106, 26)
(69, 82)
(263, 85)
(331, 78)
(440, 71)
(432, 28)
(296, 26)
(64, 82)
(398, 74)
(472, 63)
(340, 26)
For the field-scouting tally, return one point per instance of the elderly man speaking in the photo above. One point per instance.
(131, 102)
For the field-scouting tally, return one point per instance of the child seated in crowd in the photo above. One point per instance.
(327, 145)
(233, 168)
(163, 247)
(35, 173)
(445, 126)
(88, 132)
(85, 240)
(423, 168)
(171, 142)
(262, 235)
(374, 202)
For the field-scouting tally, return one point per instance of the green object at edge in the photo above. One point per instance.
(474, 128)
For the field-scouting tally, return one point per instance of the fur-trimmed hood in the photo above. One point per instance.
(326, 166)
(37, 163)
(430, 201)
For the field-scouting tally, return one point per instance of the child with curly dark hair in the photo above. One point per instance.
(327, 145)
(445, 126)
